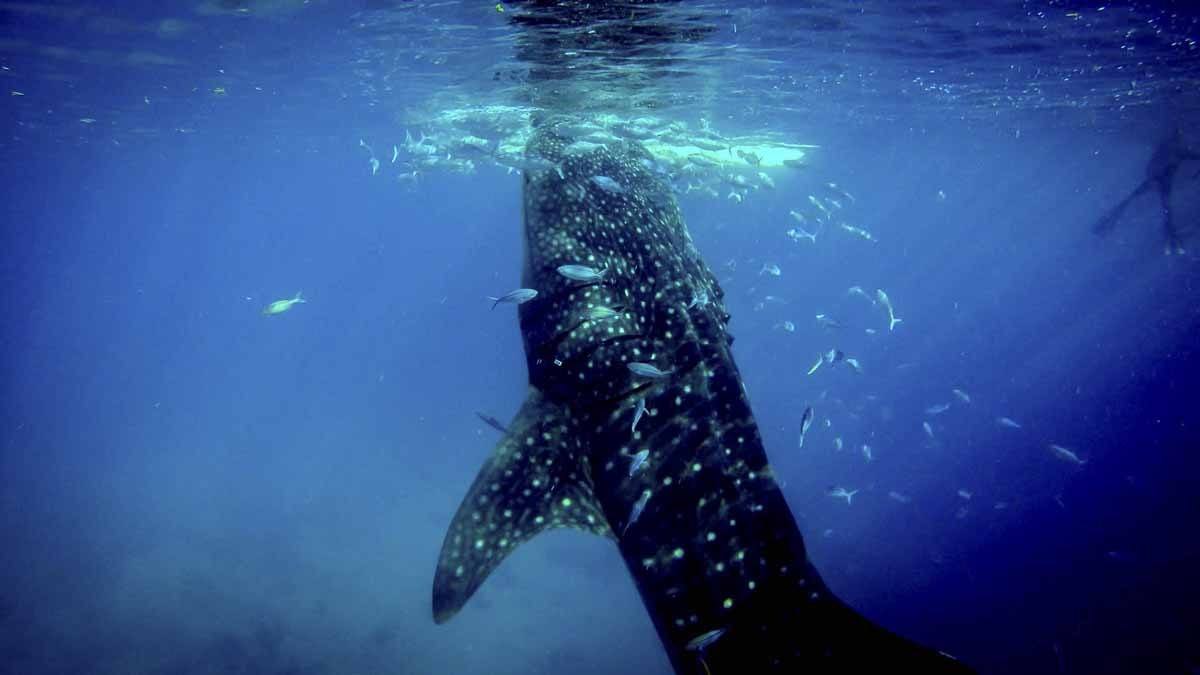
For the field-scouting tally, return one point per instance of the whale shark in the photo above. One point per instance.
(637, 427)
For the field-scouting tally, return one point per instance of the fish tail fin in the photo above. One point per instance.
(495, 300)
(894, 320)
(299, 298)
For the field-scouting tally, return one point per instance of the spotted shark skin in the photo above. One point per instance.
(715, 551)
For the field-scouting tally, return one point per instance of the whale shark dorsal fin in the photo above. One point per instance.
(535, 480)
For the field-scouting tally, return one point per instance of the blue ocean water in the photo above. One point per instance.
(190, 486)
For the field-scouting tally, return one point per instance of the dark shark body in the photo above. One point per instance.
(716, 547)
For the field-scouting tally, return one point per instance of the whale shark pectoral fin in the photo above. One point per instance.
(536, 479)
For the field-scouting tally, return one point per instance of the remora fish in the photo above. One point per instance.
(638, 411)
(717, 547)
(492, 422)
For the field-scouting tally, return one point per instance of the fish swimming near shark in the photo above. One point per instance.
(492, 422)
(715, 552)
(517, 297)
(884, 300)
(806, 421)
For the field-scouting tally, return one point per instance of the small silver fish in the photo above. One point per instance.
(928, 429)
(637, 461)
(867, 454)
(395, 153)
(647, 370)
(1008, 422)
(828, 321)
(699, 299)
(884, 300)
(965, 493)
(842, 493)
(637, 414)
(281, 306)
(858, 231)
(517, 297)
(602, 313)
(798, 233)
(703, 640)
(581, 273)
(805, 422)
(374, 166)
(608, 185)
(858, 290)
(900, 497)
(836, 188)
(962, 395)
(1066, 455)
(636, 511)
(937, 409)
